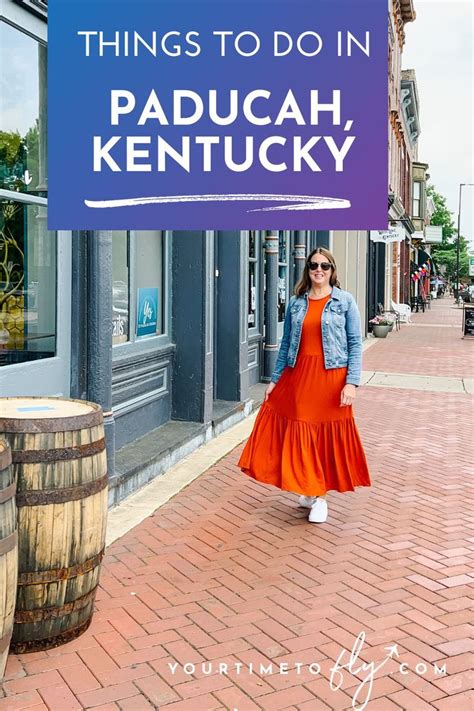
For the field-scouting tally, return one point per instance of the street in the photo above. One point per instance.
(229, 572)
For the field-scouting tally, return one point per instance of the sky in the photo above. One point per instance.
(440, 47)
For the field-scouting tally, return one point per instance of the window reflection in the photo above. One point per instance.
(120, 294)
(282, 274)
(27, 284)
(23, 138)
(149, 278)
(253, 281)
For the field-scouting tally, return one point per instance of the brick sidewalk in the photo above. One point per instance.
(436, 348)
(230, 571)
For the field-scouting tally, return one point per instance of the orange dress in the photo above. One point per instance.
(303, 440)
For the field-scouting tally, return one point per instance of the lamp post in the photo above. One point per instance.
(458, 245)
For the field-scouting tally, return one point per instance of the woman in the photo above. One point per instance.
(305, 439)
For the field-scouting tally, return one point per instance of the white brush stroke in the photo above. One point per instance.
(303, 202)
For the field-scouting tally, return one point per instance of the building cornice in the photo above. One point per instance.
(403, 12)
(37, 7)
(407, 10)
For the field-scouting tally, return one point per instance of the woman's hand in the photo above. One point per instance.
(269, 390)
(348, 395)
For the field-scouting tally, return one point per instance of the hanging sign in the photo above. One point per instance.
(393, 234)
(433, 234)
(230, 115)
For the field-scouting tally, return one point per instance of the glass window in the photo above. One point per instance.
(23, 140)
(253, 281)
(27, 284)
(282, 274)
(138, 285)
(121, 287)
(416, 199)
(149, 282)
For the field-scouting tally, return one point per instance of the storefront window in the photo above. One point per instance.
(138, 285)
(253, 280)
(27, 284)
(283, 238)
(149, 283)
(120, 294)
(416, 199)
(23, 142)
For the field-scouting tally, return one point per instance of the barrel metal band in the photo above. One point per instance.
(5, 457)
(52, 576)
(43, 497)
(38, 645)
(52, 424)
(7, 493)
(5, 641)
(50, 613)
(8, 544)
(35, 456)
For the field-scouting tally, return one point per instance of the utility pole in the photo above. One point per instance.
(458, 244)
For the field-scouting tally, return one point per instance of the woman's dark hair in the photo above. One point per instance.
(304, 283)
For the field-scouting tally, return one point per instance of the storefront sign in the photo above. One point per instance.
(184, 115)
(147, 311)
(433, 234)
(471, 266)
(393, 234)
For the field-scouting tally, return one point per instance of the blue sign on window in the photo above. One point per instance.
(147, 311)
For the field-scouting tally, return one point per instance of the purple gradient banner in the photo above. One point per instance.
(212, 114)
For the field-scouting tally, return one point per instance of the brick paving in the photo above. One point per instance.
(436, 348)
(230, 572)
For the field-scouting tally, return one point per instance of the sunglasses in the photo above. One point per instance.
(325, 266)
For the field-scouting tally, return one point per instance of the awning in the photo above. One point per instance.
(423, 258)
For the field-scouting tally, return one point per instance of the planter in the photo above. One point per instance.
(390, 328)
(380, 331)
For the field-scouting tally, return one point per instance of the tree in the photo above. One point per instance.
(444, 254)
(18, 153)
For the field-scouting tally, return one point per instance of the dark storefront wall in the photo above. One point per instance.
(255, 304)
(142, 354)
(375, 276)
(231, 348)
(405, 277)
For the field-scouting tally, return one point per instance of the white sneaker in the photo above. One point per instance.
(319, 511)
(306, 501)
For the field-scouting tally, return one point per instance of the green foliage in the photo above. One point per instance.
(18, 153)
(447, 258)
(445, 253)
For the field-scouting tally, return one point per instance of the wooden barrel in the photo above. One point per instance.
(60, 464)
(8, 552)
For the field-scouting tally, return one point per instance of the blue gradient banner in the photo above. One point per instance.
(206, 114)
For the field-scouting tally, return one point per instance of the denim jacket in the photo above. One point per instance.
(341, 334)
